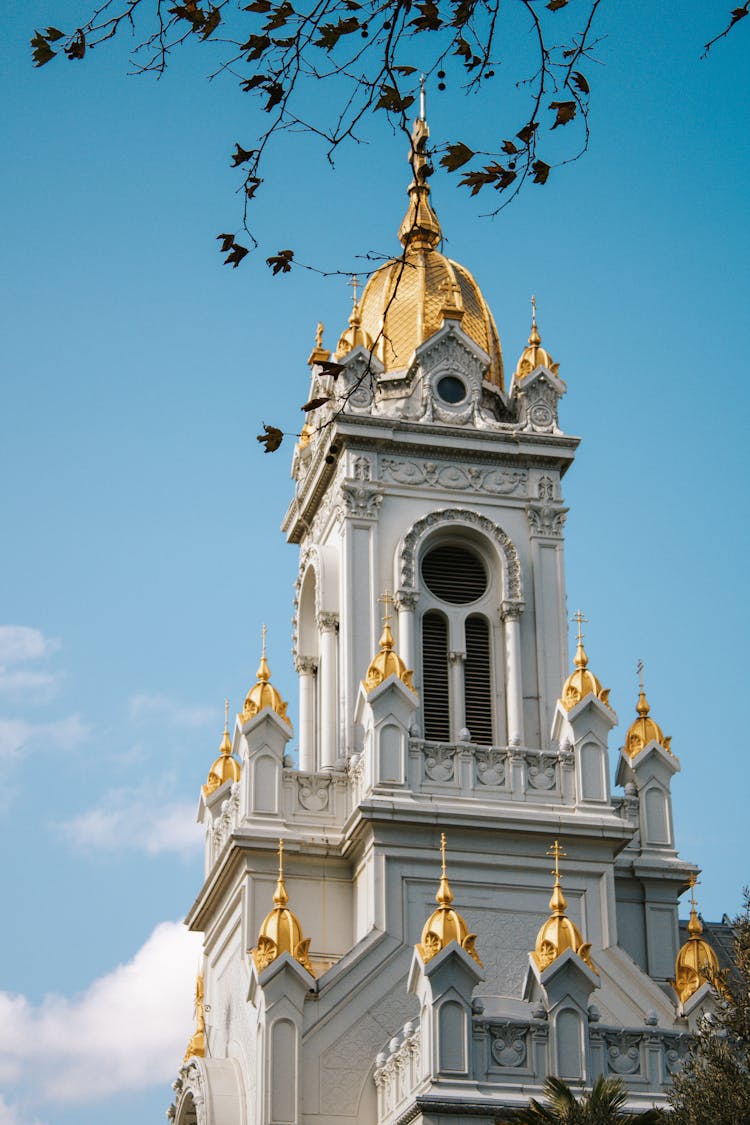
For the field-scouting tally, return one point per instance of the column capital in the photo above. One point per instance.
(305, 665)
(406, 599)
(328, 622)
(455, 657)
(511, 610)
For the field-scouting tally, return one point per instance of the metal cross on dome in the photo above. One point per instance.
(556, 850)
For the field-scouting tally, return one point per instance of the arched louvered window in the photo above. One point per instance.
(435, 691)
(478, 680)
(454, 574)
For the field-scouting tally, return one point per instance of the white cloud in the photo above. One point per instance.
(126, 1032)
(136, 820)
(12, 1115)
(17, 735)
(21, 645)
(147, 706)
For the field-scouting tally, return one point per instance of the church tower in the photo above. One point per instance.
(438, 728)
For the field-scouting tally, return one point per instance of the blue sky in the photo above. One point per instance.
(141, 548)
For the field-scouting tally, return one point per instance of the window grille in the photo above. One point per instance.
(478, 680)
(435, 701)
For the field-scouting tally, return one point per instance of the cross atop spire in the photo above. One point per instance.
(639, 670)
(579, 620)
(387, 601)
(226, 716)
(422, 98)
(354, 283)
(556, 850)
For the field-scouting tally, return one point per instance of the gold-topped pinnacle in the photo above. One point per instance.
(281, 931)
(644, 729)
(581, 682)
(319, 354)
(696, 962)
(445, 924)
(263, 693)
(534, 355)
(420, 228)
(558, 933)
(354, 336)
(226, 767)
(386, 662)
(196, 1048)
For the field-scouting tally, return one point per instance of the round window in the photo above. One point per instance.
(451, 389)
(454, 574)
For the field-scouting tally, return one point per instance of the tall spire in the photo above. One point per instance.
(420, 228)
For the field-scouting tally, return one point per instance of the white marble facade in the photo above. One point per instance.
(360, 794)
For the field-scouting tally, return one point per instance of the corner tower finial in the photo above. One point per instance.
(445, 924)
(281, 931)
(581, 682)
(558, 933)
(644, 729)
(263, 693)
(386, 662)
(226, 767)
(697, 961)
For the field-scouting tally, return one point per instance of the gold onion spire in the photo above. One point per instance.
(196, 1048)
(644, 729)
(581, 682)
(534, 355)
(226, 767)
(420, 227)
(386, 662)
(696, 962)
(281, 931)
(263, 693)
(445, 924)
(558, 933)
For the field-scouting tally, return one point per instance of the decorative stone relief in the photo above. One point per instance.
(496, 482)
(538, 402)
(313, 791)
(623, 1052)
(362, 468)
(508, 1044)
(546, 488)
(345, 1065)
(227, 819)
(544, 519)
(542, 771)
(439, 761)
(408, 547)
(490, 766)
(676, 1048)
(361, 499)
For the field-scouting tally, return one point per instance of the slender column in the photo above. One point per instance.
(511, 615)
(306, 669)
(328, 625)
(458, 708)
(406, 602)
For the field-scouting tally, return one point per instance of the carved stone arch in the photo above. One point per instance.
(408, 548)
(309, 563)
(209, 1092)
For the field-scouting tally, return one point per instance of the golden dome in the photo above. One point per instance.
(445, 924)
(386, 662)
(263, 693)
(225, 768)
(644, 730)
(196, 1048)
(558, 933)
(406, 300)
(581, 682)
(281, 932)
(534, 355)
(696, 962)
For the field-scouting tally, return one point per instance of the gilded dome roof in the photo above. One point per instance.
(226, 767)
(582, 682)
(696, 962)
(558, 933)
(644, 729)
(386, 662)
(281, 931)
(263, 693)
(534, 355)
(406, 300)
(445, 924)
